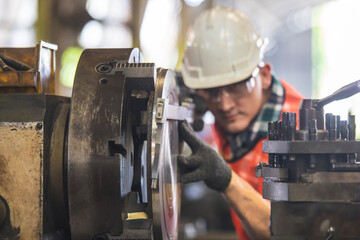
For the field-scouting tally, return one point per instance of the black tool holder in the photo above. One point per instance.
(313, 175)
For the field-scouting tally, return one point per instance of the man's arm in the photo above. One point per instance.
(252, 209)
(205, 164)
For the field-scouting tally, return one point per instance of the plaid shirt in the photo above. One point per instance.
(242, 143)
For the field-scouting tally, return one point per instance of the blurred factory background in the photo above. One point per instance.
(313, 44)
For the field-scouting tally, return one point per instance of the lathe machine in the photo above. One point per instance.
(102, 165)
(99, 166)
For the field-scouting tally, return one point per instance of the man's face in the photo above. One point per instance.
(236, 105)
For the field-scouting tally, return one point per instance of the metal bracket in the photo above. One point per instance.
(271, 173)
(166, 111)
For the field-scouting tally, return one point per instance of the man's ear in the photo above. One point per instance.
(265, 73)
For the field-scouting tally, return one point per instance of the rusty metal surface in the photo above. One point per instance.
(39, 74)
(21, 164)
(25, 55)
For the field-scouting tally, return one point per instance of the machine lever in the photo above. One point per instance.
(344, 92)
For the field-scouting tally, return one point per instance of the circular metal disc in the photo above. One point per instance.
(166, 193)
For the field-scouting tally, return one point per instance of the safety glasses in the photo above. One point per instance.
(236, 90)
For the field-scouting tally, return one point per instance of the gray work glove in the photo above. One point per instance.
(204, 164)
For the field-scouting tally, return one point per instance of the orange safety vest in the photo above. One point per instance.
(245, 166)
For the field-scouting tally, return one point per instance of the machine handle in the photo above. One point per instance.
(344, 92)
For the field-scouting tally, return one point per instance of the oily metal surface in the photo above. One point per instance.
(21, 177)
(100, 144)
(165, 190)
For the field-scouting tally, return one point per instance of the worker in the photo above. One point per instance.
(223, 62)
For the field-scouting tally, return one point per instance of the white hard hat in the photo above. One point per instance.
(223, 47)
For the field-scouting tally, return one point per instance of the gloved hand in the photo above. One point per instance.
(203, 164)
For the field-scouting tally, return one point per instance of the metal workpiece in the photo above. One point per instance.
(165, 189)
